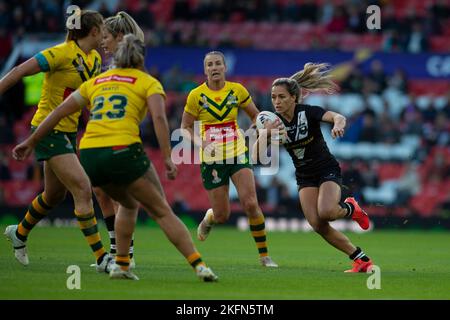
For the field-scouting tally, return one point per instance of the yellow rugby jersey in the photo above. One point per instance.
(217, 112)
(66, 67)
(118, 104)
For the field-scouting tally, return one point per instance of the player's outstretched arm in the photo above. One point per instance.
(28, 68)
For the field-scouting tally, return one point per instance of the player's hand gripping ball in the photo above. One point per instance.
(266, 119)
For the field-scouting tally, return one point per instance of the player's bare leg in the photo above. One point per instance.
(245, 186)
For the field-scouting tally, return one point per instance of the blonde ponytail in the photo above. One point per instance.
(315, 77)
(123, 23)
(312, 78)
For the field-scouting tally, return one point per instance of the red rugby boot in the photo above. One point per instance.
(359, 215)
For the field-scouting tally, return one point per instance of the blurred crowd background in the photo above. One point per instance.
(396, 152)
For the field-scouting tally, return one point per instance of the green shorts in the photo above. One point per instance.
(55, 143)
(118, 165)
(218, 174)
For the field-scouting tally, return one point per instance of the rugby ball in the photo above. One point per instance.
(264, 116)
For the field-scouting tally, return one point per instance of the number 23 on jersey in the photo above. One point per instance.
(115, 105)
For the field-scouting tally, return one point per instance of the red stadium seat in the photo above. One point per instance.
(163, 10)
(401, 212)
(208, 29)
(446, 31)
(265, 28)
(297, 41)
(19, 193)
(21, 130)
(372, 41)
(188, 183)
(376, 211)
(391, 171)
(349, 42)
(248, 27)
(19, 169)
(440, 43)
(431, 196)
(420, 87)
(423, 206)
(402, 7)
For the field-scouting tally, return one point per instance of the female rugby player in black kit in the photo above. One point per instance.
(318, 173)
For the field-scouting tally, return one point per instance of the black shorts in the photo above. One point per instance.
(316, 178)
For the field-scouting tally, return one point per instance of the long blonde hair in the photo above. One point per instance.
(130, 53)
(123, 23)
(313, 77)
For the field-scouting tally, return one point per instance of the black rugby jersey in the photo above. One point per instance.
(306, 144)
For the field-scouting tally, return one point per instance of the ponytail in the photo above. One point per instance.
(313, 77)
(123, 23)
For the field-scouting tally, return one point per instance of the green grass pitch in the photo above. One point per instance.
(413, 264)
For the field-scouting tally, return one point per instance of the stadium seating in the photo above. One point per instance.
(20, 193)
(288, 36)
(188, 184)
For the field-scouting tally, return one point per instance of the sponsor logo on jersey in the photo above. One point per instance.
(221, 132)
(115, 78)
